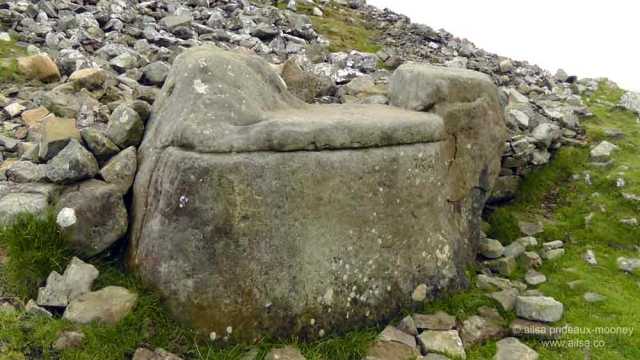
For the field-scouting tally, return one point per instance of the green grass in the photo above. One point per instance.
(344, 28)
(562, 203)
(8, 65)
(35, 248)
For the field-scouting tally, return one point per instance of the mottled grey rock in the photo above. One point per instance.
(420, 293)
(592, 297)
(408, 325)
(285, 353)
(546, 133)
(506, 298)
(32, 308)
(125, 127)
(514, 249)
(628, 264)
(504, 266)
(13, 204)
(534, 278)
(513, 349)
(108, 305)
(552, 254)
(531, 259)
(121, 169)
(26, 171)
(631, 101)
(392, 334)
(531, 329)
(238, 133)
(437, 321)
(490, 248)
(446, 342)
(101, 216)
(539, 308)
(69, 340)
(156, 72)
(74, 163)
(100, 145)
(124, 62)
(602, 152)
(529, 228)
(61, 289)
(157, 354)
(477, 330)
(55, 133)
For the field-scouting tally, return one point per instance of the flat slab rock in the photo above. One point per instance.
(513, 349)
(108, 305)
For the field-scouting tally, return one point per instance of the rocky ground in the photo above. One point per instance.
(78, 79)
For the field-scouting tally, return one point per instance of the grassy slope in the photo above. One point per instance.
(563, 203)
(8, 66)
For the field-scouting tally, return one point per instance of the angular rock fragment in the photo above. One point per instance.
(108, 305)
(539, 308)
(74, 163)
(61, 289)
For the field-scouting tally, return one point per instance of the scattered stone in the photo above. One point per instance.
(158, 354)
(100, 216)
(156, 72)
(575, 284)
(631, 101)
(530, 229)
(514, 249)
(551, 245)
(109, 305)
(513, 349)
(14, 109)
(504, 266)
(506, 298)
(630, 221)
(531, 260)
(39, 66)
(445, 342)
(527, 241)
(553, 254)
(408, 326)
(628, 264)
(74, 282)
(385, 350)
(55, 134)
(438, 321)
(592, 297)
(69, 340)
(91, 79)
(590, 257)
(33, 308)
(393, 334)
(420, 293)
(485, 282)
(120, 171)
(74, 163)
(490, 248)
(534, 278)
(539, 308)
(285, 353)
(26, 171)
(125, 127)
(602, 152)
(477, 330)
(100, 145)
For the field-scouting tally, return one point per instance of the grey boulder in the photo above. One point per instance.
(108, 305)
(121, 169)
(99, 213)
(539, 308)
(61, 289)
(125, 127)
(74, 163)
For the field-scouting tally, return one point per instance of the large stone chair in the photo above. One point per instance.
(258, 215)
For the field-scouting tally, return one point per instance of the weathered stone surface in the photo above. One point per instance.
(108, 305)
(490, 248)
(39, 66)
(211, 223)
(90, 79)
(387, 350)
(539, 308)
(68, 339)
(438, 321)
(513, 349)
(158, 354)
(506, 298)
(30, 198)
(285, 353)
(125, 127)
(121, 169)
(55, 133)
(392, 334)
(26, 171)
(602, 151)
(477, 330)
(74, 163)
(446, 342)
(631, 101)
(100, 145)
(101, 217)
(534, 278)
(75, 281)
(532, 329)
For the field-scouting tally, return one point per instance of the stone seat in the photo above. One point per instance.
(255, 212)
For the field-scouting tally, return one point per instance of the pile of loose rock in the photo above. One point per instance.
(105, 61)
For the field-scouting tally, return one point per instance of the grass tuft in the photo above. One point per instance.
(35, 247)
